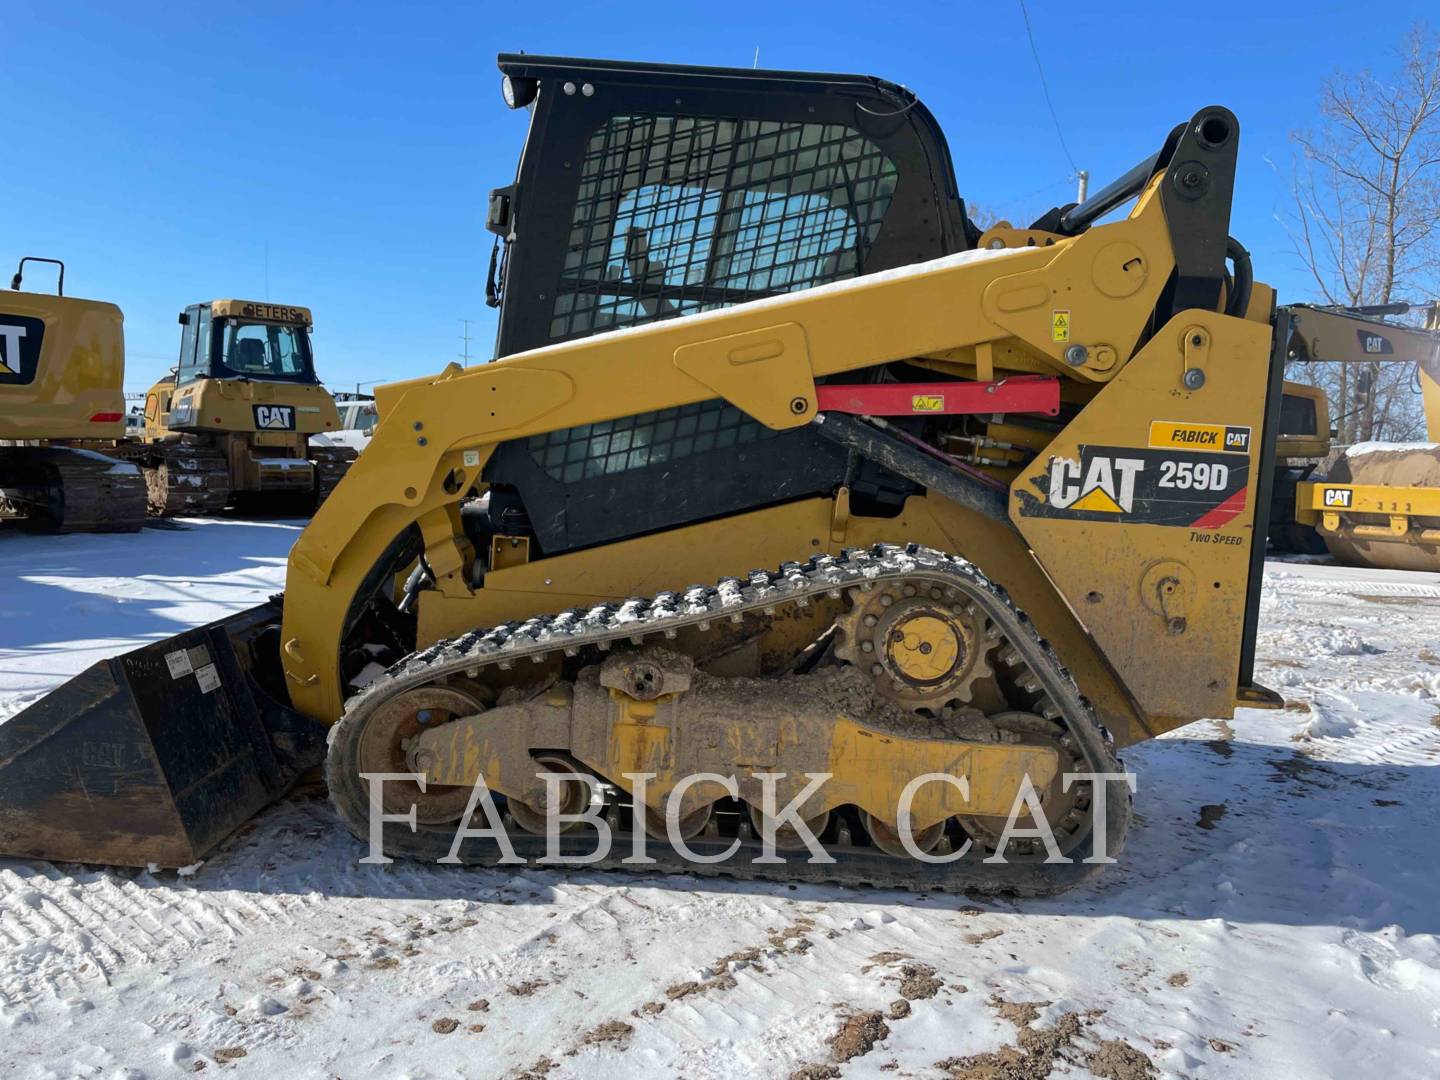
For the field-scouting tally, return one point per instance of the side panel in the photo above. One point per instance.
(76, 373)
(1143, 512)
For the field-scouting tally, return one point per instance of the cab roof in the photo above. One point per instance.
(261, 311)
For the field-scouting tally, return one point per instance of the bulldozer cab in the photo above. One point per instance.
(245, 367)
(245, 339)
(649, 191)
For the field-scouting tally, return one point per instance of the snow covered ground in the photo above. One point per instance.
(1276, 912)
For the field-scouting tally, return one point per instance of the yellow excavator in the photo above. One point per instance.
(62, 368)
(863, 524)
(1377, 505)
(235, 420)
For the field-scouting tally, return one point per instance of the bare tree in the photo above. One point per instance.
(1367, 218)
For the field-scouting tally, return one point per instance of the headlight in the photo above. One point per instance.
(518, 92)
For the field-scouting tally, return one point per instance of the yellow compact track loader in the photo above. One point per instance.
(234, 422)
(62, 368)
(1377, 505)
(854, 491)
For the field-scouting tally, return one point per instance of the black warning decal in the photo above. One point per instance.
(1130, 485)
(19, 348)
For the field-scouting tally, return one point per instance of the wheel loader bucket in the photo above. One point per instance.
(154, 757)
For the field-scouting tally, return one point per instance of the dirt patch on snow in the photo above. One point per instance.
(882, 958)
(858, 1035)
(611, 1031)
(1038, 1050)
(1020, 1013)
(1118, 1060)
(918, 982)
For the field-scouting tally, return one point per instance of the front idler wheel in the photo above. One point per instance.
(384, 744)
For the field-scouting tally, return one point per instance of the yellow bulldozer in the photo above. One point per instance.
(234, 422)
(795, 507)
(62, 368)
(1377, 505)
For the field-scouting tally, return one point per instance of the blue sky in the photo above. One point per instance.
(163, 150)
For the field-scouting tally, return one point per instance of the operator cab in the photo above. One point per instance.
(245, 339)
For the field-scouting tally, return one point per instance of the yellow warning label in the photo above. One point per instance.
(1175, 435)
(1060, 325)
(927, 403)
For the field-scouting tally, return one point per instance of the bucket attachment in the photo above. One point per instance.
(154, 757)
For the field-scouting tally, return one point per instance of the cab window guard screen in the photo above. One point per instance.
(678, 214)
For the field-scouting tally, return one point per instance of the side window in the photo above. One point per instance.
(194, 342)
(152, 406)
(679, 214)
(187, 340)
(1297, 415)
(202, 346)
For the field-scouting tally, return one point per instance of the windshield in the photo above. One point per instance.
(266, 351)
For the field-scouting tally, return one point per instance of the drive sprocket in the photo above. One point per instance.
(926, 645)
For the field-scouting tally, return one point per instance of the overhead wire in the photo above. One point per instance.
(1045, 88)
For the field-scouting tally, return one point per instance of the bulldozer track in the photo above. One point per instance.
(1053, 698)
(331, 464)
(185, 479)
(91, 492)
(98, 496)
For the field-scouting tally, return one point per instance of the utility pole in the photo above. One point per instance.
(465, 337)
(1083, 178)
